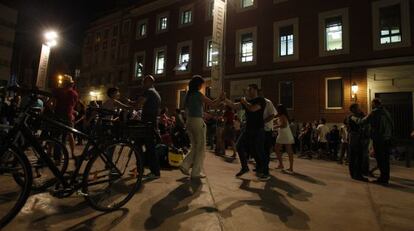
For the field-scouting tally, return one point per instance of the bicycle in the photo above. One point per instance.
(117, 166)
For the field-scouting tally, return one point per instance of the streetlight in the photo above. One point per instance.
(354, 90)
(50, 41)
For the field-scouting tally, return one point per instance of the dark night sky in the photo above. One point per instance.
(69, 17)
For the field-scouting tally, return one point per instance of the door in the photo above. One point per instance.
(400, 106)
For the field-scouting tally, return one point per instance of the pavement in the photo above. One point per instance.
(319, 196)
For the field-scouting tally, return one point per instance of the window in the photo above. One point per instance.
(286, 44)
(115, 31)
(139, 64)
(247, 46)
(126, 27)
(334, 32)
(106, 33)
(247, 3)
(334, 93)
(391, 24)
(162, 22)
(113, 43)
(210, 10)
(333, 28)
(210, 53)
(186, 17)
(181, 98)
(98, 37)
(286, 41)
(124, 51)
(184, 56)
(286, 94)
(160, 61)
(141, 29)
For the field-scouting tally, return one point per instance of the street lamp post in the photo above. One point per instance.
(50, 40)
(218, 40)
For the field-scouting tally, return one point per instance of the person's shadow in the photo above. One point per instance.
(275, 203)
(176, 202)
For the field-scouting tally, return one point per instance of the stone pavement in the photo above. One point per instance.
(320, 196)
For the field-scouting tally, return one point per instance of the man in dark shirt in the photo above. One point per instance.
(252, 139)
(150, 101)
(382, 128)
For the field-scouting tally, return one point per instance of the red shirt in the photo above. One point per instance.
(66, 100)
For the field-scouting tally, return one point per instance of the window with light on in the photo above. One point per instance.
(333, 33)
(163, 23)
(142, 30)
(286, 41)
(184, 58)
(246, 48)
(390, 23)
(160, 62)
(139, 66)
(211, 54)
(186, 17)
(247, 3)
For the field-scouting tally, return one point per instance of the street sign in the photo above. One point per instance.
(43, 64)
(217, 69)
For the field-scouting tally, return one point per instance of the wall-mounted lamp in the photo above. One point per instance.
(354, 90)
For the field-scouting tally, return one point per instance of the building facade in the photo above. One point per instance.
(315, 57)
(8, 21)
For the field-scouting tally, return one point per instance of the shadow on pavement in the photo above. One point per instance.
(399, 180)
(306, 178)
(175, 203)
(105, 218)
(275, 203)
(399, 188)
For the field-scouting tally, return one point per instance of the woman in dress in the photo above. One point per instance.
(284, 137)
(196, 128)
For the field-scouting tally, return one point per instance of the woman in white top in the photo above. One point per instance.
(284, 137)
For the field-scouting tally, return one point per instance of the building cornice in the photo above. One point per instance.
(365, 63)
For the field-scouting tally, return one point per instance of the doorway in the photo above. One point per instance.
(400, 106)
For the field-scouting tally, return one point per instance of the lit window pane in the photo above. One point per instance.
(160, 62)
(186, 17)
(247, 48)
(390, 24)
(396, 39)
(247, 3)
(333, 33)
(286, 41)
(163, 23)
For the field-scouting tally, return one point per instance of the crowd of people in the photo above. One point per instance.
(251, 127)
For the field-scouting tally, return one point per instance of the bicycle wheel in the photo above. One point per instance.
(43, 177)
(13, 195)
(112, 178)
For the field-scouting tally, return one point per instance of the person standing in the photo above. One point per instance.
(65, 100)
(356, 144)
(334, 140)
(382, 127)
(229, 131)
(269, 116)
(80, 120)
(253, 136)
(344, 142)
(322, 131)
(196, 128)
(150, 102)
(284, 138)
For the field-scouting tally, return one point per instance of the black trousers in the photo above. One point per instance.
(252, 142)
(150, 157)
(382, 150)
(355, 156)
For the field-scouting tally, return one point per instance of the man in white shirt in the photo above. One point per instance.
(268, 117)
(323, 131)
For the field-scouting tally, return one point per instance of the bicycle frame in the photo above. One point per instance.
(71, 183)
